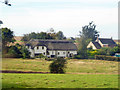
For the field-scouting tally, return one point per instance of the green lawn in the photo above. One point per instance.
(80, 74)
(59, 81)
(73, 66)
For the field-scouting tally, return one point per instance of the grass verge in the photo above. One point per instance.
(59, 81)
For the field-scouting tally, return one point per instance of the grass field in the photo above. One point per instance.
(73, 66)
(80, 74)
(59, 81)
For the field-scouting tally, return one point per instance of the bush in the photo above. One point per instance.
(25, 53)
(13, 52)
(40, 56)
(108, 58)
(17, 51)
(58, 66)
(77, 56)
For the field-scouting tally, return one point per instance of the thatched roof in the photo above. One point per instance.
(53, 44)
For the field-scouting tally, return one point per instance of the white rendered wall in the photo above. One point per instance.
(40, 50)
(31, 51)
(61, 53)
(73, 52)
(100, 43)
(51, 52)
(91, 45)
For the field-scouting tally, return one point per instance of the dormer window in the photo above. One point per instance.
(37, 47)
(42, 47)
(28, 47)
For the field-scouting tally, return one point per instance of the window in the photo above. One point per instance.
(58, 53)
(37, 47)
(48, 53)
(44, 53)
(42, 47)
(63, 52)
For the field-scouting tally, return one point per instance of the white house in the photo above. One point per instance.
(51, 48)
(102, 42)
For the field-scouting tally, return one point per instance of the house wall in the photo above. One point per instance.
(105, 45)
(40, 50)
(31, 51)
(37, 51)
(100, 43)
(61, 53)
(91, 45)
(51, 52)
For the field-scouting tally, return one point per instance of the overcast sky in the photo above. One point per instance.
(69, 16)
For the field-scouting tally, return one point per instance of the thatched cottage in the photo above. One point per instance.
(51, 48)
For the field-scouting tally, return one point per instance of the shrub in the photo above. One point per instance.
(109, 58)
(77, 56)
(25, 53)
(13, 52)
(58, 66)
(40, 56)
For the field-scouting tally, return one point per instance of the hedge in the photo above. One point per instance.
(108, 58)
(10, 56)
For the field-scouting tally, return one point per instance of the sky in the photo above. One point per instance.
(68, 16)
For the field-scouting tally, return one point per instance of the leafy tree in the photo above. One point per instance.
(13, 50)
(82, 48)
(43, 35)
(58, 66)
(18, 51)
(89, 32)
(60, 35)
(7, 37)
(25, 53)
(33, 35)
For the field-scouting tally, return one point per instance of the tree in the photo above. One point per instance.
(60, 35)
(89, 32)
(82, 48)
(18, 51)
(25, 52)
(43, 35)
(58, 66)
(33, 35)
(7, 37)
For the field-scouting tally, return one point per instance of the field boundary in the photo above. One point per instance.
(10, 71)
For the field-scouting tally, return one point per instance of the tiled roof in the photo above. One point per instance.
(97, 45)
(108, 41)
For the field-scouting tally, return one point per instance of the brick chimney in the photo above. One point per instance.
(97, 39)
